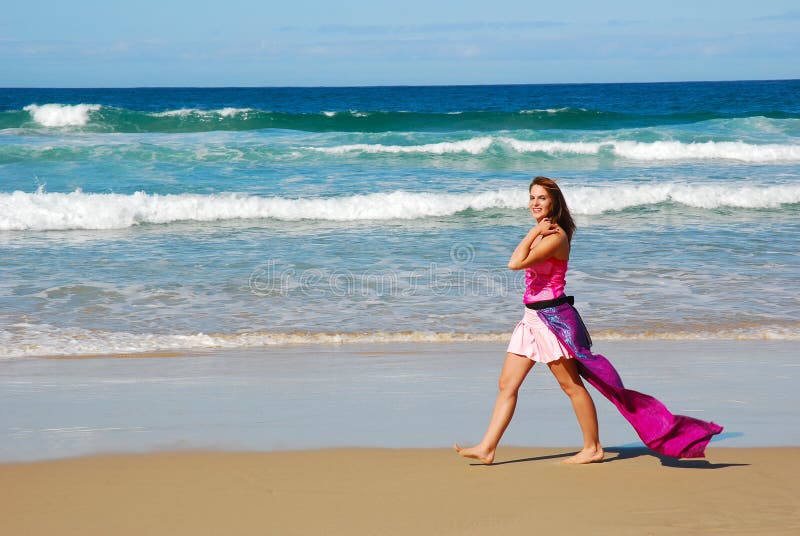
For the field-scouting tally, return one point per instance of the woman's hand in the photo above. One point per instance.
(539, 247)
(522, 254)
(544, 227)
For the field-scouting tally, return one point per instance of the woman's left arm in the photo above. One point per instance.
(548, 247)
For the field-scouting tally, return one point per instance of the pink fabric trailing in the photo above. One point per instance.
(677, 436)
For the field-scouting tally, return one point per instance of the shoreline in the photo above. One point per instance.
(404, 491)
(268, 341)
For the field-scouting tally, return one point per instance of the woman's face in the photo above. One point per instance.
(540, 202)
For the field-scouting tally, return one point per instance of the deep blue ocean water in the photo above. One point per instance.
(148, 219)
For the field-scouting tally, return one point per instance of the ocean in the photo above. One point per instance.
(153, 219)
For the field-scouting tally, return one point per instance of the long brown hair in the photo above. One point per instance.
(559, 212)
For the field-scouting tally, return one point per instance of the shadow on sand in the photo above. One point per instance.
(616, 454)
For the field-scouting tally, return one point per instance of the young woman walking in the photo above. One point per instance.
(552, 332)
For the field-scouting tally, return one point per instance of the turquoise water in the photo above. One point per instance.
(149, 219)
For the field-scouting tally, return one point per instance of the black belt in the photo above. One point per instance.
(544, 304)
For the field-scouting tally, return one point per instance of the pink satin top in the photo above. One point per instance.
(545, 281)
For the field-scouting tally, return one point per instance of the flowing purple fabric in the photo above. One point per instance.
(672, 435)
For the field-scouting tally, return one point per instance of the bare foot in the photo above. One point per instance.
(586, 456)
(483, 456)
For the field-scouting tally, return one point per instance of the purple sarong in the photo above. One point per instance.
(672, 435)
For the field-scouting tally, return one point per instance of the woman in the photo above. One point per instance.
(552, 332)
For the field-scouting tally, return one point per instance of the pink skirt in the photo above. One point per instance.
(534, 340)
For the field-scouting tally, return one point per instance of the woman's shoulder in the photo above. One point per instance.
(563, 247)
(559, 236)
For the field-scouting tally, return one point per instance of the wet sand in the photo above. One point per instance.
(390, 395)
(404, 491)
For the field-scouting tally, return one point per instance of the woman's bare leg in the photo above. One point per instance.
(566, 372)
(515, 368)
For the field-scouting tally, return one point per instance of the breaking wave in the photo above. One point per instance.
(42, 211)
(61, 115)
(631, 150)
(103, 118)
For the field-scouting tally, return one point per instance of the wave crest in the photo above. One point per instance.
(42, 211)
(189, 112)
(471, 146)
(61, 115)
(630, 150)
(710, 150)
(116, 119)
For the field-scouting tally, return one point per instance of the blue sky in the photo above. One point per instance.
(96, 43)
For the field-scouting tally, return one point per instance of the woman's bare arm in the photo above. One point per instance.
(523, 250)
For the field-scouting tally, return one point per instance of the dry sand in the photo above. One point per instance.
(406, 491)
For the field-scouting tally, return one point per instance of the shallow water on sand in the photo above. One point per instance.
(398, 395)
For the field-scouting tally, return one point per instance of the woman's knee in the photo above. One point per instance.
(515, 368)
(568, 378)
(572, 389)
(508, 386)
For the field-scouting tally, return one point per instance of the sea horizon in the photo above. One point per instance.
(349, 86)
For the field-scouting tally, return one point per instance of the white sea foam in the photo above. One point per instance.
(549, 110)
(631, 150)
(29, 340)
(665, 150)
(749, 333)
(183, 112)
(353, 113)
(710, 150)
(229, 112)
(186, 112)
(552, 147)
(79, 210)
(61, 115)
(597, 200)
(471, 146)
(42, 340)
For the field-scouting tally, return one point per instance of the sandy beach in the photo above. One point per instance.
(356, 440)
(404, 491)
